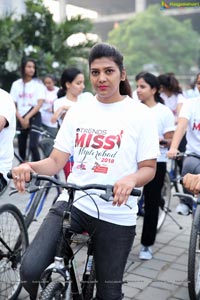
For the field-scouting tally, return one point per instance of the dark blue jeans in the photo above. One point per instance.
(112, 244)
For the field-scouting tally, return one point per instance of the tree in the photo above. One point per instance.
(36, 35)
(157, 42)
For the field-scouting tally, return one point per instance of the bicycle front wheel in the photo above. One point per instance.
(13, 243)
(194, 258)
(90, 285)
(165, 201)
(54, 290)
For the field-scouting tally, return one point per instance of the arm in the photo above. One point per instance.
(123, 187)
(178, 135)
(167, 138)
(192, 183)
(48, 166)
(3, 123)
(33, 111)
(178, 108)
(60, 112)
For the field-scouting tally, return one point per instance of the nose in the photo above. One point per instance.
(102, 77)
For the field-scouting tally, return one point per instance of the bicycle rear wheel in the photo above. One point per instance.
(13, 243)
(165, 201)
(194, 258)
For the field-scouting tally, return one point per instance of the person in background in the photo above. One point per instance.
(51, 91)
(116, 147)
(28, 93)
(171, 92)
(7, 133)
(194, 91)
(148, 93)
(72, 85)
(189, 123)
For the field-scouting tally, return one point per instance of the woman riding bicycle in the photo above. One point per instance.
(189, 123)
(111, 144)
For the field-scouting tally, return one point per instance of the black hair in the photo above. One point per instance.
(153, 81)
(53, 78)
(170, 82)
(23, 65)
(106, 50)
(197, 76)
(68, 75)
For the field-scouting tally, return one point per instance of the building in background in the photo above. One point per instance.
(17, 7)
(105, 14)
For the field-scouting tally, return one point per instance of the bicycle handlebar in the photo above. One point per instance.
(108, 188)
(39, 130)
(183, 154)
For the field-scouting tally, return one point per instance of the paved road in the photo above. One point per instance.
(162, 278)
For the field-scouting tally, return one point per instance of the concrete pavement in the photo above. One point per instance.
(162, 278)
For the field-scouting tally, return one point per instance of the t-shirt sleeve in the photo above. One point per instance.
(66, 135)
(181, 99)
(168, 121)
(185, 111)
(13, 91)
(40, 94)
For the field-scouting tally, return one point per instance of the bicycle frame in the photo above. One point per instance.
(65, 264)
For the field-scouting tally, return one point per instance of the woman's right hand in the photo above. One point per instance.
(21, 175)
(172, 153)
(192, 183)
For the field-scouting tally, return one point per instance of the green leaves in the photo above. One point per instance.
(37, 35)
(153, 38)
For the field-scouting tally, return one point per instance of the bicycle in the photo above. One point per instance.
(13, 243)
(67, 284)
(171, 180)
(38, 197)
(194, 243)
(45, 144)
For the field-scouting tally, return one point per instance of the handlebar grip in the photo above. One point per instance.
(163, 142)
(136, 192)
(9, 175)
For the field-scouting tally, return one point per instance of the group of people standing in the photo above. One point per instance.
(109, 124)
(43, 103)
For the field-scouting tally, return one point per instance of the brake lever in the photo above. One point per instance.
(108, 196)
(33, 186)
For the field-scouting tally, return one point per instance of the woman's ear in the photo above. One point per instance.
(123, 75)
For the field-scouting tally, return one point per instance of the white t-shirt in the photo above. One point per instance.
(46, 110)
(172, 101)
(191, 111)
(26, 95)
(63, 101)
(107, 142)
(8, 111)
(165, 123)
(191, 93)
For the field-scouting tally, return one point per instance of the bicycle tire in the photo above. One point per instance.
(14, 233)
(193, 258)
(52, 291)
(165, 203)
